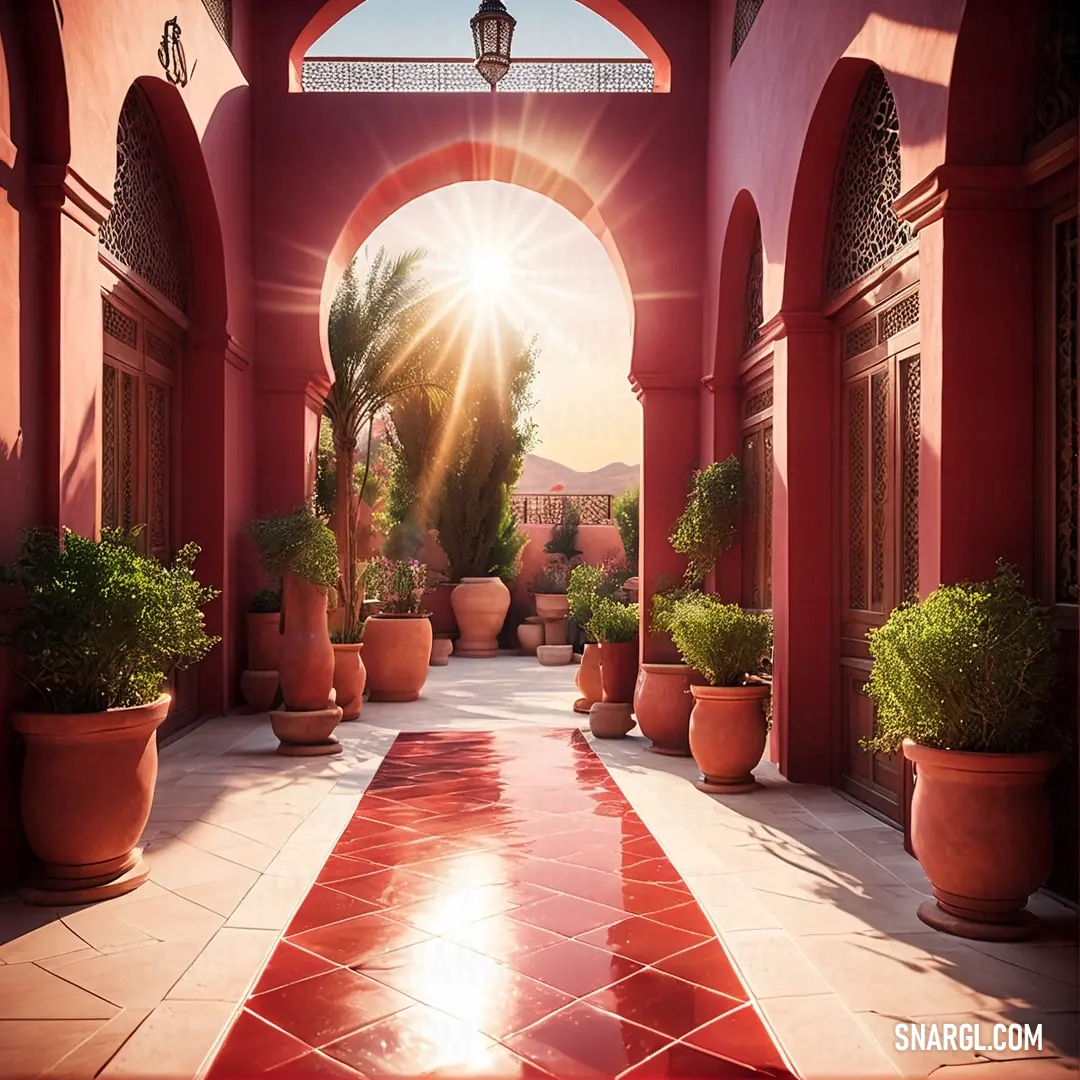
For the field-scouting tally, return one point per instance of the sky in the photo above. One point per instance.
(498, 245)
(548, 28)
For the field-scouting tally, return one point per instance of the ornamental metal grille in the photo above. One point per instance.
(109, 409)
(550, 509)
(766, 510)
(751, 491)
(755, 282)
(146, 230)
(1067, 442)
(759, 402)
(119, 326)
(865, 231)
(157, 445)
(380, 76)
(1057, 95)
(879, 483)
(220, 12)
(746, 11)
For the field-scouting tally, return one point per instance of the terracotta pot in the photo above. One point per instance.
(552, 605)
(618, 670)
(554, 655)
(632, 586)
(307, 734)
(87, 789)
(397, 651)
(263, 640)
(350, 677)
(610, 720)
(662, 704)
(480, 607)
(260, 689)
(530, 637)
(981, 828)
(306, 658)
(588, 679)
(441, 648)
(727, 735)
(437, 601)
(555, 632)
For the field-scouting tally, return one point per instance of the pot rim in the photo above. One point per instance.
(479, 580)
(345, 646)
(401, 615)
(63, 726)
(729, 693)
(667, 669)
(974, 761)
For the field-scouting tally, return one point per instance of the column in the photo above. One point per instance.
(804, 579)
(672, 414)
(288, 405)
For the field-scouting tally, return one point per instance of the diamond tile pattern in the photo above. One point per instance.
(496, 908)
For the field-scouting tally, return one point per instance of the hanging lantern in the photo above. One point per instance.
(493, 31)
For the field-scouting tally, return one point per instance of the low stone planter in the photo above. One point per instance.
(610, 719)
(554, 655)
(307, 733)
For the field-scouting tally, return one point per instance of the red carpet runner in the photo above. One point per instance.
(496, 908)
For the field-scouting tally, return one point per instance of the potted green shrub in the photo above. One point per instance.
(398, 639)
(102, 629)
(729, 722)
(259, 682)
(709, 524)
(301, 550)
(615, 626)
(960, 683)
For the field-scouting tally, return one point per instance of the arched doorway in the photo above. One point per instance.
(146, 256)
(872, 301)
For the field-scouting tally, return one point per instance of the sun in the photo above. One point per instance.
(486, 272)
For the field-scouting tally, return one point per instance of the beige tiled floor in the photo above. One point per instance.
(814, 899)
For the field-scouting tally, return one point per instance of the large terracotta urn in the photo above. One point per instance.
(263, 640)
(350, 677)
(662, 704)
(981, 828)
(397, 653)
(727, 735)
(480, 607)
(618, 670)
(87, 789)
(306, 657)
(588, 679)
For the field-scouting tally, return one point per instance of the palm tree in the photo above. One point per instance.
(381, 347)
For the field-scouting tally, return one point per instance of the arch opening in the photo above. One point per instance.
(350, 73)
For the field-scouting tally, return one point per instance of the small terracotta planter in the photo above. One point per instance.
(441, 648)
(981, 829)
(397, 652)
(552, 605)
(610, 720)
(618, 670)
(662, 704)
(588, 679)
(554, 655)
(530, 636)
(555, 632)
(727, 735)
(87, 789)
(260, 689)
(306, 658)
(350, 678)
(307, 733)
(480, 607)
(263, 640)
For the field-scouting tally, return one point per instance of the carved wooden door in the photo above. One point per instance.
(879, 512)
(141, 365)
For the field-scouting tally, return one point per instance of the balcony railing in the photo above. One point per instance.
(375, 75)
(549, 509)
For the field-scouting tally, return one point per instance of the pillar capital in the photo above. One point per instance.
(963, 187)
(662, 382)
(60, 187)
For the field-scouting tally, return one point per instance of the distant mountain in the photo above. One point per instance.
(540, 475)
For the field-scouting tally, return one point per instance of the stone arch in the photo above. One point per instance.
(614, 11)
(462, 161)
(741, 283)
(183, 211)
